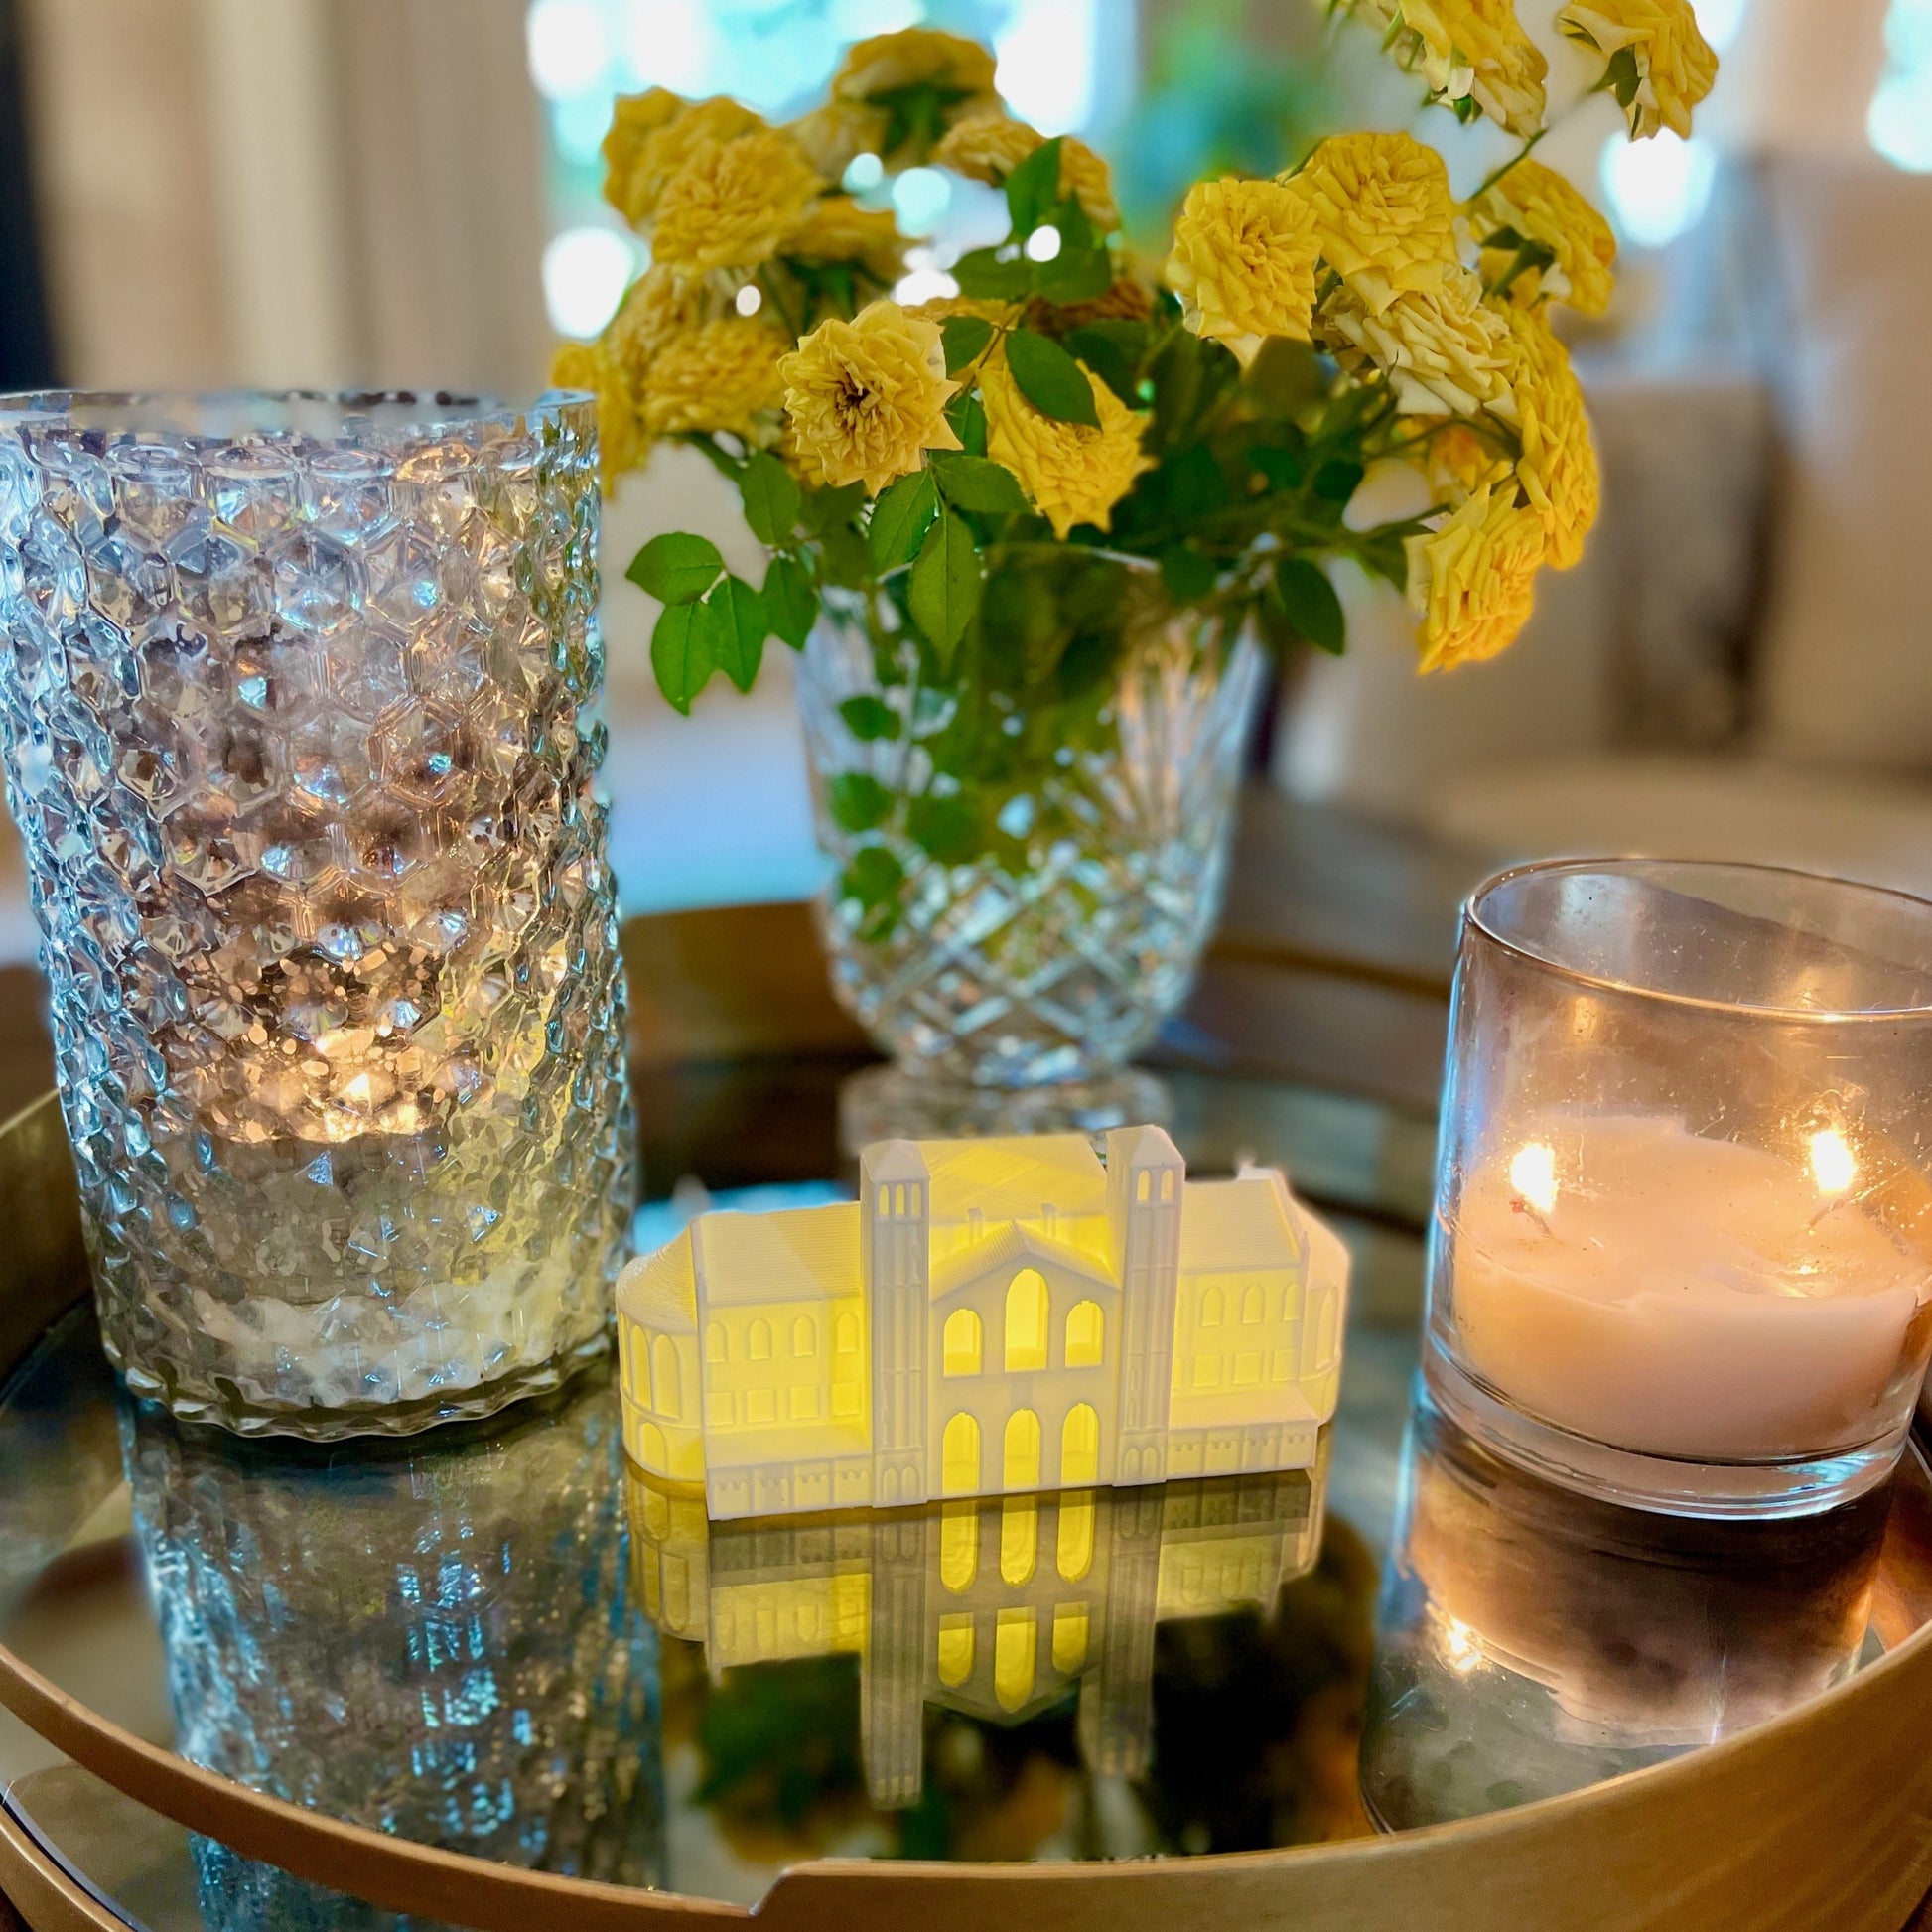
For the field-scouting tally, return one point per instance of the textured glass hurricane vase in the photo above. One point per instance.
(1031, 853)
(297, 717)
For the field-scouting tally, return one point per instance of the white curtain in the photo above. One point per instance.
(302, 192)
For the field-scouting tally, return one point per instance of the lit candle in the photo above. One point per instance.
(1664, 1291)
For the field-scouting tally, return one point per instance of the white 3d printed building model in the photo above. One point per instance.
(989, 1317)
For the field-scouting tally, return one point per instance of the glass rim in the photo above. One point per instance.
(383, 412)
(1629, 865)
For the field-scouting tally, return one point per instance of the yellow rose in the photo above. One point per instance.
(1474, 49)
(621, 443)
(1383, 213)
(1542, 207)
(1070, 472)
(658, 305)
(1558, 467)
(720, 375)
(867, 398)
(1472, 582)
(838, 230)
(1455, 460)
(989, 147)
(835, 134)
(1674, 63)
(1443, 349)
(653, 136)
(1243, 261)
(732, 202)
(915, 56)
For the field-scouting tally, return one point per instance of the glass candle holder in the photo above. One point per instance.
(1682, 1250)
(297, 705)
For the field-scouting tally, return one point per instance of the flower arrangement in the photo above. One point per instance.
(1003, 481)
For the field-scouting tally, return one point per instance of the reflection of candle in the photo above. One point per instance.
(1633, 1281)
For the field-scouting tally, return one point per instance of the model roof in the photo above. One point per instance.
(1234, 1224)
(801, 1254)
(1012, 1180)
(1013, 1247)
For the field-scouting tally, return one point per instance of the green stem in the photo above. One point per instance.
(1495, 174)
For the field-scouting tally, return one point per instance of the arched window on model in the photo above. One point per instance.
(959, 1457)
(1086, 1334)
(664, 1378)
(804, 1337)
(758, 1341)
(1081, 1445)
(1020, 1462)
(962, 1346)
(1027, 1311)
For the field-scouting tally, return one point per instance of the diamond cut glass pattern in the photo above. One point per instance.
(296, 696)
(1053, 955)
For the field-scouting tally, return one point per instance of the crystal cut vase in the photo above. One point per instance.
(1032, 850)
(297, 696)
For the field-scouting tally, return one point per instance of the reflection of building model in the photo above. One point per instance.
(989, 1315)
(994, 1607)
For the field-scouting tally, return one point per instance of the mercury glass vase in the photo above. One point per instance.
(297, 700)
(1029, 845)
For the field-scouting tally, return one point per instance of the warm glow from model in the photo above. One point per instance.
(1831, 1162)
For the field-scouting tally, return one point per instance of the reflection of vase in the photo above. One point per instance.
(440, 1645)
(298, 706)
(1030, 847)
(995, 1607)
(1531, 1640)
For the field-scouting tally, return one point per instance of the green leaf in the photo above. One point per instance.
(967, 416)
(946, 584)
(675, 568)
(1282, 468)
(771, 496)
(1309, 603)
(790, 601)
(1387, 555)
(1335, 481)
(1050, 379)
(984, 277)
(1107, 352)
(1191, 484)
(875, 878)
(858, 802)
(1621, 76)
(680, 654)
(1176, 372)
(1033, 188)
(870, 718)
(899, 520)
(1186, 574)
(965, 337)
(842, 558)
(976, 483)
(1082, 269)
(832, 509)
(946, 829)
(736, 623)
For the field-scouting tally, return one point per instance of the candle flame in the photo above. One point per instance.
(1462, 1646)
(1831, 1163)
(1533, 1174)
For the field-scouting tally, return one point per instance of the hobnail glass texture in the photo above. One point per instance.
(438, 1642)
(1053, 958)
(298, 727)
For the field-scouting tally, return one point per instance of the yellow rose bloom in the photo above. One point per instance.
(720, 375)
(1071, 474)
(1383, 213)
(989, 147)
(1541, 207)
(838, 230)
(867, 398)
(1443, 349)
(912, 58)
(1557, 468)
(835, 134)
(732, 202)
(1676, 65)
(1455, 460)
(621, 443)
(1472, 582)
(1476, 50)
(658, 305)
(1243, 261)
(653, 136)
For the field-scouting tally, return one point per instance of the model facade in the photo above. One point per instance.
(990, 1317)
